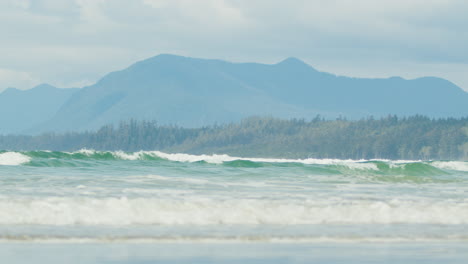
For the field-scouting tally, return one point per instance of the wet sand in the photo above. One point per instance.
(233, 252)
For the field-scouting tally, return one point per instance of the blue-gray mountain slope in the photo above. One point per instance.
(21, 110)
(195, 92)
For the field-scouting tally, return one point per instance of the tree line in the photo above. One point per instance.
(391, 137)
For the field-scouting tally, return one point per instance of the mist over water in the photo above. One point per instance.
(101, 196)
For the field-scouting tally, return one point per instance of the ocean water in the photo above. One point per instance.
(154, 207)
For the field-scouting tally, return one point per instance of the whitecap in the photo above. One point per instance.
(13, 158)
(200, 211)
(451, 165)
(221, 158)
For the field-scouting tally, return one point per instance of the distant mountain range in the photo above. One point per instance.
(21, 110)
(195, 92)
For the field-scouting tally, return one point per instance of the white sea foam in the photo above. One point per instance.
(397, 161)
(219, 159)
(129, 156)
(451, 165)
(84, 151)
(141, 179)
(13, 158)
(181, 157)
(222, 158)
(207, 211)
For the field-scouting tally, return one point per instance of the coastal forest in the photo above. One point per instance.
(414, 137)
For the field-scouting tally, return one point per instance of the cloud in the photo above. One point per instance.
(201, 11)
(56, 39)
(92, 19)
(23, 4)
(416, 28)
(16, 79)
(61, 8)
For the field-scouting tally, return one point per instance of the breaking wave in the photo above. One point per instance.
(91, 158)
(62, 211)
(13, 158)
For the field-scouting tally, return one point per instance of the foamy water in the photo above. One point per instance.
(203, 211)
(13, 158)
(74, 195)
(451, 165)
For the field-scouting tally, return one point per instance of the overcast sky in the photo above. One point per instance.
(72, 43)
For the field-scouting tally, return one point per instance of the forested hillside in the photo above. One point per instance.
(415, 137)
(195, 92)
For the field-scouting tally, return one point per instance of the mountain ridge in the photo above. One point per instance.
(195, 92)
(22, 109)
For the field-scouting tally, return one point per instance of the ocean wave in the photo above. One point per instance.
(202, 211)
(86, 154)
(13, 158)
(86, 157)
(451, 165)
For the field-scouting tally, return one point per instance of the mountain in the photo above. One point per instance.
(194, 92)
(23, 109)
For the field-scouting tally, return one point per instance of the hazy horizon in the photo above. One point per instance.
(2, 89)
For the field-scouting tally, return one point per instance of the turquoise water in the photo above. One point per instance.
(154, 198)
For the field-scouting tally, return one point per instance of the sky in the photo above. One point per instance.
(73, 43)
